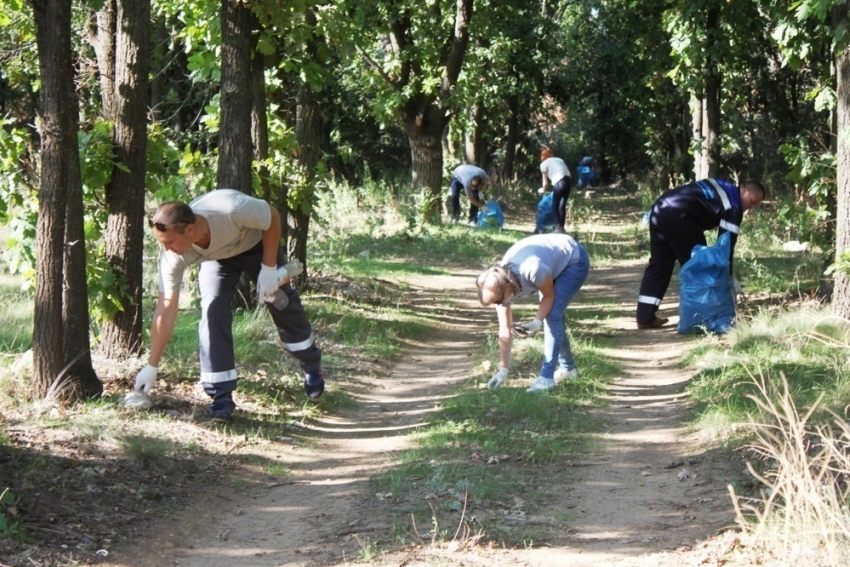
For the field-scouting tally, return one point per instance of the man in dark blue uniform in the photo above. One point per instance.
(677, 224)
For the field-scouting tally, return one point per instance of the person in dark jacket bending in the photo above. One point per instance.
(677, 223)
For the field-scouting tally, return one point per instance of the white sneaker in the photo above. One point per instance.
(561, 374)
(542, 385)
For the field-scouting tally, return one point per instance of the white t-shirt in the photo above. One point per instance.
(535, 257)
(465, 173)
(555, 169)
(236, 222)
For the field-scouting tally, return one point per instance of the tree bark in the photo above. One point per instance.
(121, 335)
(104, 48)
(512, 137)
(59, 171)
(235, 151)
(475, 148)
(711, 124)
(841, 290)
(308, 134)
(697, 114)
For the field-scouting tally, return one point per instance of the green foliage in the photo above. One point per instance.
(10, 524)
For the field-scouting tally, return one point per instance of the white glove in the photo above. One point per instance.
(527, 329)
(737, 288)
(267, 281)
(498, 378)
(145, 379)
(485, 210)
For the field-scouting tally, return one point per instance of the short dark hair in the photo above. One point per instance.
(173, 214)
(753, 185)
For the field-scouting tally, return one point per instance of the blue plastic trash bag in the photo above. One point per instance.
(493, 219)
(545, 217)
(706, 296)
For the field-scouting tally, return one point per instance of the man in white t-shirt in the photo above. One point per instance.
(227, 232)
(556, 173)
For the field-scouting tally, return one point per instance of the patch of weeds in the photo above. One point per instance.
(10, 523)
(144, 449)
(369, 550)
(808, 348)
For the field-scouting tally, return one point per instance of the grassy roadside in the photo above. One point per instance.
(481, 447)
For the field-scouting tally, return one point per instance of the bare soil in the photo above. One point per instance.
(646, 493)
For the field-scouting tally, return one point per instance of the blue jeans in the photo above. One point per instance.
(556, 341)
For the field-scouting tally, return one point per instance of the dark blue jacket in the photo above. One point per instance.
(710, 203)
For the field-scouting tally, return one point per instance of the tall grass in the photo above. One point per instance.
(801, 517)
(808, 346)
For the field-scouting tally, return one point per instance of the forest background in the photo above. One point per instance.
(166, 100)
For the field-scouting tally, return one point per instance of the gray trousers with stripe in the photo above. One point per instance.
(218, 280)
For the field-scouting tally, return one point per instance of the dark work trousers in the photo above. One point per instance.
(672, 236)
(560, 194)
(457, 188)
(218, 280)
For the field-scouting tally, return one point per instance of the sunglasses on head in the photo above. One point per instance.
(162, 227)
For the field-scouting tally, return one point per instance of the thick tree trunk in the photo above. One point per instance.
(125, 195)
(841, 291)
(235, 151)
(75, 298)
(426, 154)
(59, 171)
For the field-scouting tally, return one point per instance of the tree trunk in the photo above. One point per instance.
(259, 124)
(711, 123)
(158, 66)
(475, 147)
(841, 291)
(59, 171)
(125, 195)
(308, 133)
(104, 48)
(511, 141)
(426, 154)
(697, 113)
(75, 297)
(235, 151)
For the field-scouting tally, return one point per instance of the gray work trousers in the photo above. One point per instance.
(218, 280)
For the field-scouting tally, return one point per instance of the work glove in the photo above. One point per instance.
(485, 210)
(527, 329)
(498, 378)
(737, 288)
(267, 282)
(145, 379)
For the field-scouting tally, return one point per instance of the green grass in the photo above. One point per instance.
(809, 347)
(16, 330)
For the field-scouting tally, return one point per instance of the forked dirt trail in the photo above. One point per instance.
(644, 488)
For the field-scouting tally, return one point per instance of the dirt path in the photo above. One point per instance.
(645, 488)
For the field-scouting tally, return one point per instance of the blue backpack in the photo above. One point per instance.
(706, 296)
(493, 219)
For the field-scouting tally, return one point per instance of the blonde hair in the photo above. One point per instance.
(495, 283)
